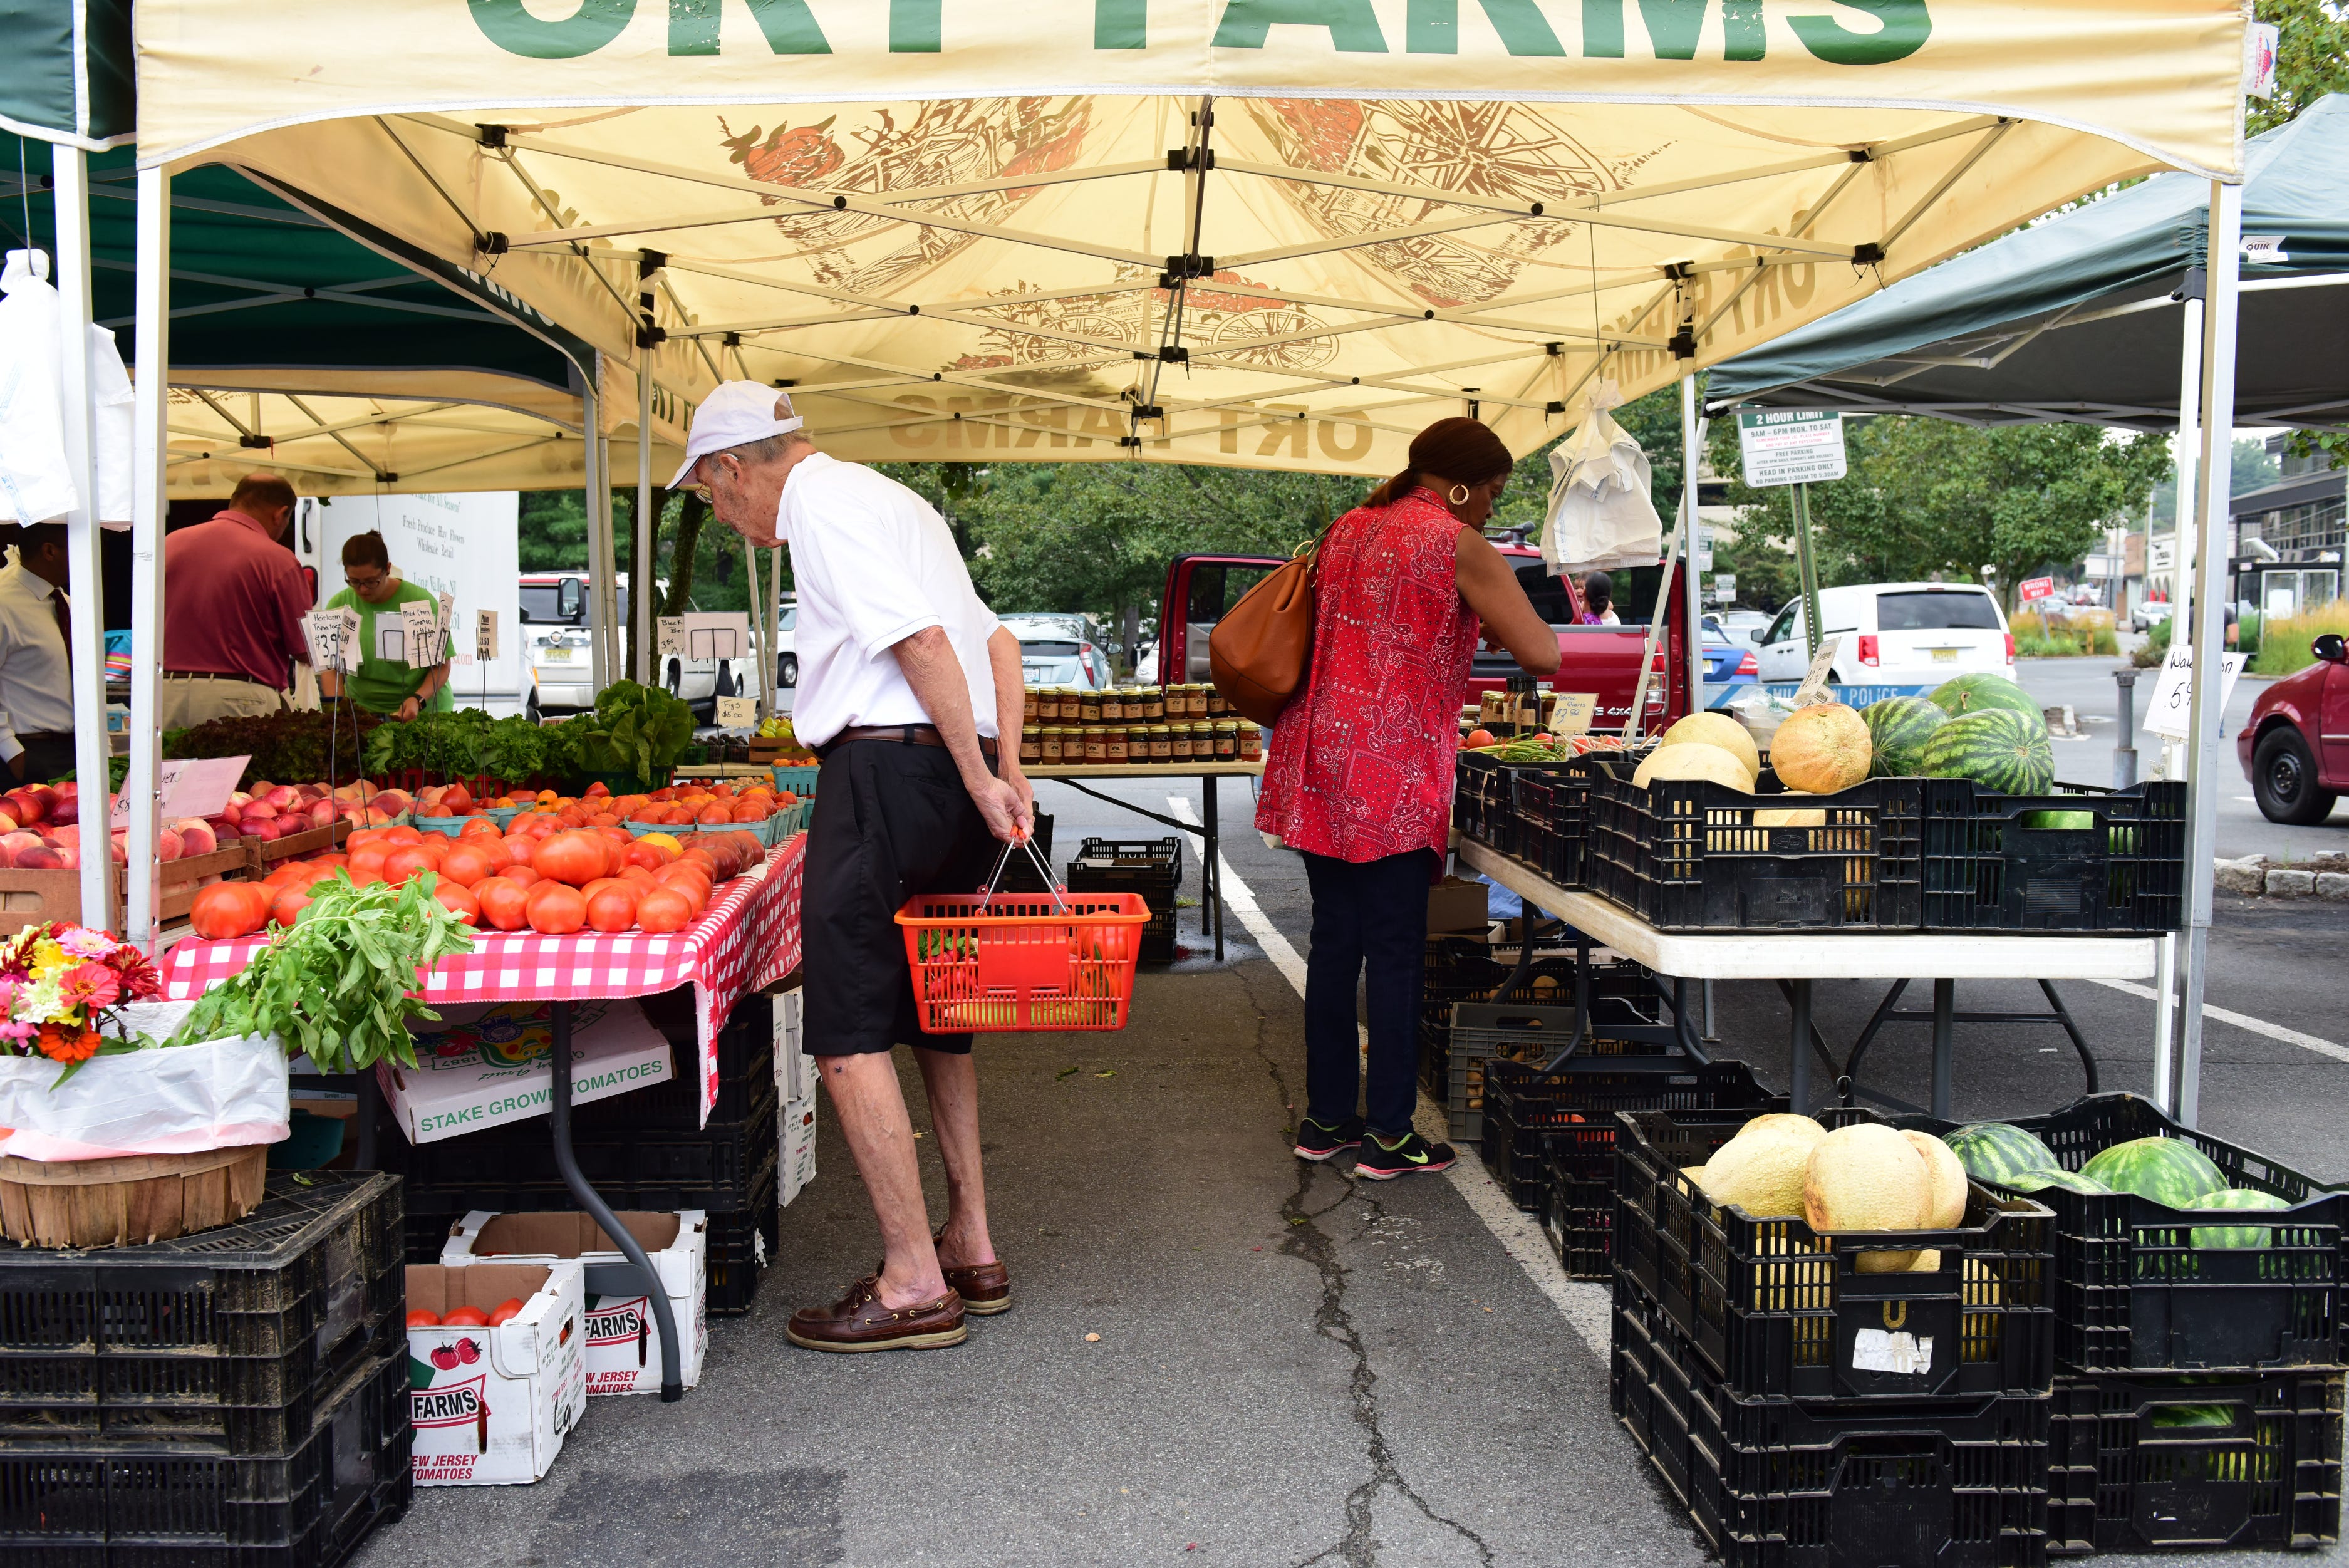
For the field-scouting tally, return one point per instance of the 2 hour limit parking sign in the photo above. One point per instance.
(1790, 446)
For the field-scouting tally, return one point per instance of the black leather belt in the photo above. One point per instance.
(899, 735)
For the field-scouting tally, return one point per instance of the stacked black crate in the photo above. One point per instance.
(1865, 1397)
(646, 1149)
(1150, 866)
(240, 1394)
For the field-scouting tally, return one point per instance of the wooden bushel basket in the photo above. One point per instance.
(137, 1198)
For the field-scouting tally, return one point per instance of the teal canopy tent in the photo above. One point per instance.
(2077, 318)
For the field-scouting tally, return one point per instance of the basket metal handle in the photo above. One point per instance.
(1002, 862)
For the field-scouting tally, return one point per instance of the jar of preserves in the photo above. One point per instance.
(1251, 743)
(1115, 746)
(1154, 704)
(1053, 742)
(1216, 706)
(1031, 745)
(1197, 705)
(1162, 742)
(1095, 744)
(1227, 741)
(1071, 704)
(1088, 708)
(1181, 749)
(1113, 705)
(1028, 703)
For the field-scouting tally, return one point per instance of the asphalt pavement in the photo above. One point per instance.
(1292, 1367)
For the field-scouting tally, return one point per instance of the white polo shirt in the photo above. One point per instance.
(874, 564)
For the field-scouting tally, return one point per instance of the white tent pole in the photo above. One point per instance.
(85, 576)
(640, 570)
(2189, 417)
(774, 630)
(2207, 762)
(150, 447)
(599, 575)
(1691, 441)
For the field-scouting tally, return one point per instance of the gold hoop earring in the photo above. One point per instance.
(1459, 495)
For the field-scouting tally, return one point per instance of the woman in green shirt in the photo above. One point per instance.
(381, 685)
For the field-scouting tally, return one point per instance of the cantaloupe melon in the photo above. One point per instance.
(1785, 1121)
(1868, 1178)
(1789, 816)
(1821, 749)
(1716, 730)
(1948, 1183)
(1693, 760)
(1761, 1173)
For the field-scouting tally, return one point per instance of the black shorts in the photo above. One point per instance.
(891, 820)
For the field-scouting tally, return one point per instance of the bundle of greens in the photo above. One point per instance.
(633, 729)
(340, 985)
(292, 746)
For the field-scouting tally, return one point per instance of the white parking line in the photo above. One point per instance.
(1586, 1306)
(2244, 1021)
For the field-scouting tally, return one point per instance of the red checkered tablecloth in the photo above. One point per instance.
(747, 938)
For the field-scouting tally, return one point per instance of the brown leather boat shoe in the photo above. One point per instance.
(984, 1288)
(859, 1322)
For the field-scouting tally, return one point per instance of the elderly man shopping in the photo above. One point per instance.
(905, 680)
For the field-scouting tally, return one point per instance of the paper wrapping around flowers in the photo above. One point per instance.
(176, 1099)
(1600, 514)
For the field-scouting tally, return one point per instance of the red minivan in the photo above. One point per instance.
(1603, 661)
(2295, 746)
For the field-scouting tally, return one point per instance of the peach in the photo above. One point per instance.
(196, 835)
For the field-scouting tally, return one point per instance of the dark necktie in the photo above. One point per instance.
(65, 624)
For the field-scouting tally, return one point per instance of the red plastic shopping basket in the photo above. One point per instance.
(1026, 962)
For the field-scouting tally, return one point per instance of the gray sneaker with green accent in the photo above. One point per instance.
(1414, 1155)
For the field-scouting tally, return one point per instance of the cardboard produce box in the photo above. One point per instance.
(490, 1406)
(794, 1070)
(795, 1166)
(487, 1063)
(1453, 904)
(622, 1338)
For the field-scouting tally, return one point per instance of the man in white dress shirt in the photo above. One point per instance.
(37, 716)
(906, 680)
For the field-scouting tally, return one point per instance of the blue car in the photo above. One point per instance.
(1728, 665)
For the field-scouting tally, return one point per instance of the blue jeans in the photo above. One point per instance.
(1375, 911)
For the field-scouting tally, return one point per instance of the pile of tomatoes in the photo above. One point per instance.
(536, 875)
(673, 806)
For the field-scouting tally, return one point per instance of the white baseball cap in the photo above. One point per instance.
(737, 413)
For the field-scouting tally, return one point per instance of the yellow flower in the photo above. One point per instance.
(50, 959)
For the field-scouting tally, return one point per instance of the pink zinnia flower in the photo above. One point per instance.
(83, 942)
(90, 985)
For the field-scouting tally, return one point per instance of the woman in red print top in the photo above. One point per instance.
(1359, 779)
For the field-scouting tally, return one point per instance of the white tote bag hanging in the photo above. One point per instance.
(36, 485)
(1601, 516)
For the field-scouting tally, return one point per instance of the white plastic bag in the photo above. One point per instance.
(182, 1099)
(1601, 516)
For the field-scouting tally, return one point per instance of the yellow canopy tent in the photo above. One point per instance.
(1266, 232)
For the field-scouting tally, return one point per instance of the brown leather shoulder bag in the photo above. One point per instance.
(1261, 652)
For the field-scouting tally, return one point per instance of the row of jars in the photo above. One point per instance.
(1221, 740)
(1123, 704)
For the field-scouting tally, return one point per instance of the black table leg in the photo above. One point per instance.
(1211, 912)
(1945, 1037)
(559, 1113)
(367, 1096)
(1799, 1086)
(2063, 1017)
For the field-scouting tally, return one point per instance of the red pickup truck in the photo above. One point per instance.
(1601, 660)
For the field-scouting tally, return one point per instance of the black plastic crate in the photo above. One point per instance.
(1020, 873)
(1778, 1309)
(745, 1073)
(1150, 866)
(2124, 874)
(2137, 1463)
(1772, 1483)
(222, 1340)
(512, 1166)
(1689, 855)
(742, 1244)
(2134, 1292)
(1483, 1032)
(1551, 801)
(116, 1506)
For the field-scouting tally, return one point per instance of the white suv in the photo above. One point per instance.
(1909, 635)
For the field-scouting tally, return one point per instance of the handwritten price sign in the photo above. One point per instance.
(2173, 696)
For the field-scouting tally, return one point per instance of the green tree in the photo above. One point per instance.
(554, 531)
(2312, 58)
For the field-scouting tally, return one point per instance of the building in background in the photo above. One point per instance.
(2289, 536)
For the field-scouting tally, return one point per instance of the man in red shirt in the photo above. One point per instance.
(233, 599)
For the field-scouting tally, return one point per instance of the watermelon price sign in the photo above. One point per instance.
(1790, 446)
(2168, 713)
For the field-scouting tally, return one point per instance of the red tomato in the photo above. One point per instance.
(369, 861)
(664, 909)
(366, 880)
(402, 835)
(651, 856)
(289, 903)
(466, 1317)
(402, 864)
(361, 837)
(420, 1318)
(465, 864)
(637, 876)
(519, 876)
(612, 907)
(503, 904)
(228, 909)
(510, 1307)
(454, 896)
(715, 814)
(573, 858)
(555, 909)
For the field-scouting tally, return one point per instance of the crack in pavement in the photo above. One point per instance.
(1333, 1321)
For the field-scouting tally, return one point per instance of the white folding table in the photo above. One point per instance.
(1799, 957)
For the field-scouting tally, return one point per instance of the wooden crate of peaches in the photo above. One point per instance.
(566, 867)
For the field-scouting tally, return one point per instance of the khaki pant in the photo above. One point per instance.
(187, 704)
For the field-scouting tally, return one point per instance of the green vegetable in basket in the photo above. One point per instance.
(640, 730)
(340, 985)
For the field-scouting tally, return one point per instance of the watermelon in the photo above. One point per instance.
(2060, 821)
(1997, 748)
(2168, 1170)
(2195, 1418)
(1899, 727)
(1973, 693)
(2069, 1181)
(1999, 1152)
(2252, 1237)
